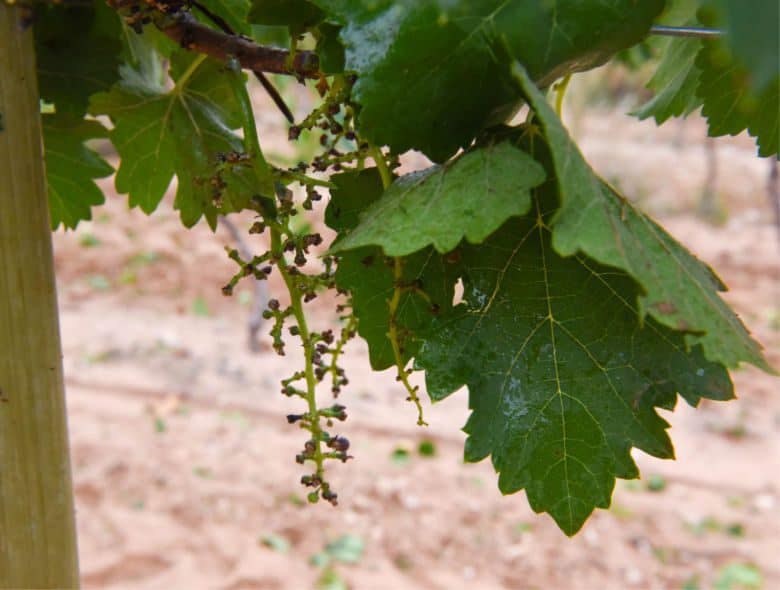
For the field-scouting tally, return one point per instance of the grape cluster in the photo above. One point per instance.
(289, 255)
(334, 121)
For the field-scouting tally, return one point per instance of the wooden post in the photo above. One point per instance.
(37, 526)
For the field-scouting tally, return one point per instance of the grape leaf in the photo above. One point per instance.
(233, 12)
(354, 192)
(71, 168)
(471, 197)
(432, 74)
(145, 56)
(329, 49)
(298, 15)
(368, 275)
(563, 380)
(679, 290)
(753, 32)
(675, 82)
(738, 91)
(730, 104)
(160, 133)
(676, 77)
(71, 67)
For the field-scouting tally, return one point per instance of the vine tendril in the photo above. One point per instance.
(394, 303)
(393, 335)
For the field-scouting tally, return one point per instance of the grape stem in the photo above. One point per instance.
(381, 164)
(560, 92)
(347, 330)
(251, 140)
(304, 180)
(264, 174)
(308, 351)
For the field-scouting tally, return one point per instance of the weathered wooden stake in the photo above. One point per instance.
(37, 527)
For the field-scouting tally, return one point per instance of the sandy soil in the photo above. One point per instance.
(183, 460)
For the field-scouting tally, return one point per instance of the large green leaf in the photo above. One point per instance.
(736, 80)
(563, 379)
(354, 192)
(730, 103)
(329, 49)
(427, 283)
(78, 53)
(679, 291)
(753, 32)
(161, 133)
(469, 197)
(676, 77)
(233, 12)
(675, 82)
(71, 168)
(368, 275)
(432, 73)
(297, 15)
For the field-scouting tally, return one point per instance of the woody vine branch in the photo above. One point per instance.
(174, 20)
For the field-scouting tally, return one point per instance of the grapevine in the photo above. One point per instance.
(580, 315)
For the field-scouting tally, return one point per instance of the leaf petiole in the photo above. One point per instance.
(560, 92)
